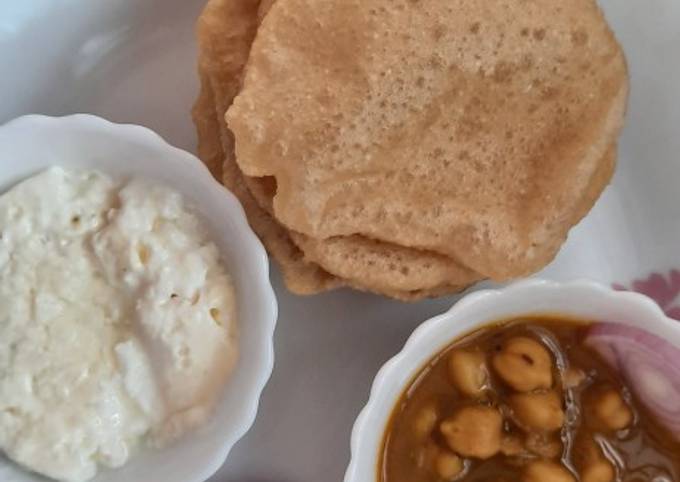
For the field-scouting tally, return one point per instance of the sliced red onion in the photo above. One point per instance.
(649, 365)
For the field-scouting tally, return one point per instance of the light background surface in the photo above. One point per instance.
(134, 61)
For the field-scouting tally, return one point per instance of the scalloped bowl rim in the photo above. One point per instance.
(246, 257)
(484, 307)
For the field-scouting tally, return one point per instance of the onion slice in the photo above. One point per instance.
(649, 365)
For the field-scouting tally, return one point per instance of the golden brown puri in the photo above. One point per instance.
(265, 6)
(225, 30)
(203, 114)
(376, 264)
(221, 60)
(384, 265)
(300, 276)
(379, 267)
(489, 119)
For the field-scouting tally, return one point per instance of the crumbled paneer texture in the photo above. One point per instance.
(117, 321)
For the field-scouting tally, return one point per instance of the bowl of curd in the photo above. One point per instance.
(137, 316)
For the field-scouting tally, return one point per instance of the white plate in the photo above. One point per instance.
(133, 61)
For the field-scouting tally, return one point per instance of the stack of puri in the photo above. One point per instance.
(409, 148)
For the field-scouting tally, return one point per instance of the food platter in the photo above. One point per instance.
(134, 62)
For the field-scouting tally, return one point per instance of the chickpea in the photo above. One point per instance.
(424, 423)
(592, 464)
(546, 471)
(524, 364)
(474, 431)
(611, 410)
(468, 372)
(538, 411)
(427, 455)
(511, 446)
(599, 471)
(440, 461)
(448, 466)
(543, 445)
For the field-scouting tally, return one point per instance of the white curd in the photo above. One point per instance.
(117, 321)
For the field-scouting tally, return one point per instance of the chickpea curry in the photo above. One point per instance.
(525, 400)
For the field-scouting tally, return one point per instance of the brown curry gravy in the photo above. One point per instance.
(642, 452)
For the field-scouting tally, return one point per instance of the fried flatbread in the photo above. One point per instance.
(220, 64)
(370, 265)
(472, 129)
(300, 275)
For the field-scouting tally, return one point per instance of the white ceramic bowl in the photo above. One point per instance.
(32, 143)
(580, 299)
